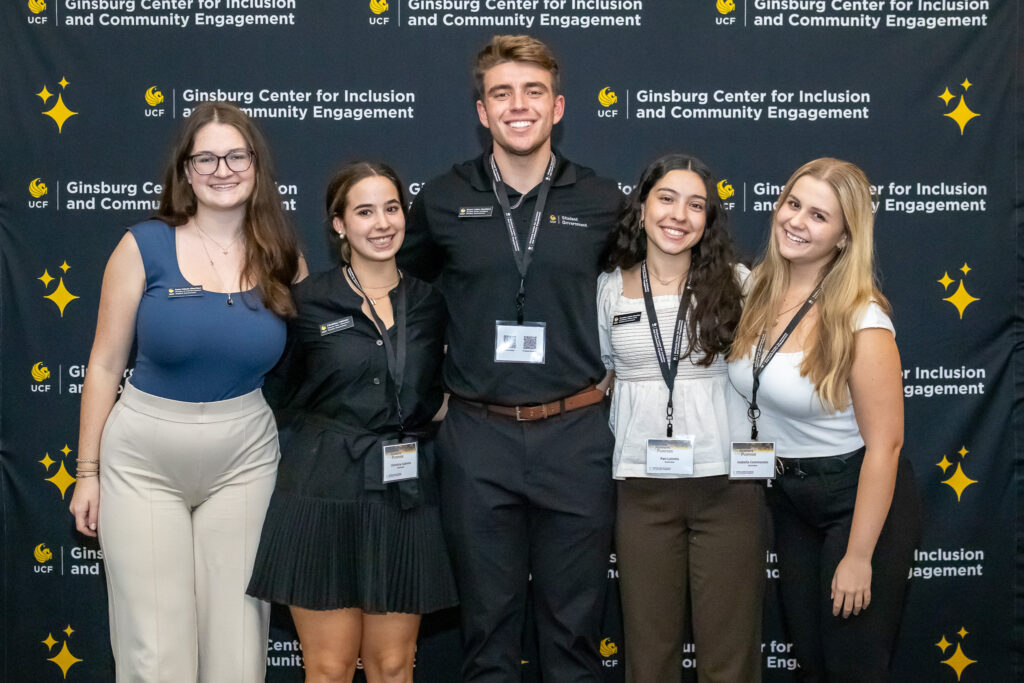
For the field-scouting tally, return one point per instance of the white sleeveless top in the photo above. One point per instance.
(704, 403)
(792, 415)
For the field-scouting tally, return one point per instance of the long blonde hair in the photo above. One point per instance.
(848, 285)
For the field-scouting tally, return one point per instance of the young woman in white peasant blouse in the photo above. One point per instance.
(690, 543)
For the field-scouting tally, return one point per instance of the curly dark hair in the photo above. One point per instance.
(713, 317)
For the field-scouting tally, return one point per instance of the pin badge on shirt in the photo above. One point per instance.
(476, 211)
(336, 325)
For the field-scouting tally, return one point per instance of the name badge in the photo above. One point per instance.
(182, 292)
(670, 456)
(476, 211)
(626, 318)
(401, 460)
(514, 343)
(336, 325)
(752, 460)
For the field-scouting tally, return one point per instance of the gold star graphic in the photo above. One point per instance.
(69, 630)
(49, 642)
(65, 450)
(943, 464)
(62, 297)
(63, 82)
(966, 84)
(960, 298)
(963, 451)
(962, 114)
(62, 480)
(64, 659)
(60, 113)
(958, 662)
(46, 461)
(958, 482)
(964, 269)
(65, 267)
(945, 281)
(943, 644)
(946, 96)
(46, 278)
(962, 632)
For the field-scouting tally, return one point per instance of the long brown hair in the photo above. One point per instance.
(848, 285)
(271, 249)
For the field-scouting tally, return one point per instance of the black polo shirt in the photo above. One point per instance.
(471, 259)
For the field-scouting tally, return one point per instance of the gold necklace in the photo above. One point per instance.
(220, 246)
(216, 272)
(665, 283)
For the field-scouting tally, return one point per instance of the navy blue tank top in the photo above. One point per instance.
(192, 346)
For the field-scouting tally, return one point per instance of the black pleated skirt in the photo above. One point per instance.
(325, 554)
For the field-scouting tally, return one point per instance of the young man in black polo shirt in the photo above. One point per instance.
(525, 450)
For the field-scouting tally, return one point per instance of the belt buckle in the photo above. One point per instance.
(519, 415)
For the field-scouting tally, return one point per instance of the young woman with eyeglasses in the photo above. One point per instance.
(175, 476)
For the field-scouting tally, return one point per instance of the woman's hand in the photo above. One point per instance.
(851, 586)
(85, 505)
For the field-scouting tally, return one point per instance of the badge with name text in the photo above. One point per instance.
(401, 460)
(625, 318)
(752, 460)
(336, 325)
(670, 456)
(476, 211)
(515, 343)
(183, 292)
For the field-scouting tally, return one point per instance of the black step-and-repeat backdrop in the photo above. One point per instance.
(923, 94)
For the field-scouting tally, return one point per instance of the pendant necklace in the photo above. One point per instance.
(202, 240)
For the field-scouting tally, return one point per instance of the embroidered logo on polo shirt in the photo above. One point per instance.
(570, 221)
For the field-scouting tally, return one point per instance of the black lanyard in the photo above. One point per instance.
(522, 256)
(669, 365)
(395, 357)
(753, 412)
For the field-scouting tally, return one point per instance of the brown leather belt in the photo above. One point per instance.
(587, 397)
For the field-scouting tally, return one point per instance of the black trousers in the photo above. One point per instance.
(522, 500)
(812, 512)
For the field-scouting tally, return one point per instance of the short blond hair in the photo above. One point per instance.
(526, 49)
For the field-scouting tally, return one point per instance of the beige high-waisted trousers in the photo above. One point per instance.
(184, 488)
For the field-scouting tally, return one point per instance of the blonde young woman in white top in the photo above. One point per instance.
(844, 504)
(690, 543)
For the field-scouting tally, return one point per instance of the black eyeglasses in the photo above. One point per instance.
(237, 160)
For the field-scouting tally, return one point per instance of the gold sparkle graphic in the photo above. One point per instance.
(60, 296)
(63, 659)
(961, 113)
(958, 661)
(62, 479)
(60, 112)
(958, 481)
(961, 298)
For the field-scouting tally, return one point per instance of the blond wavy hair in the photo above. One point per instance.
(848, 285)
